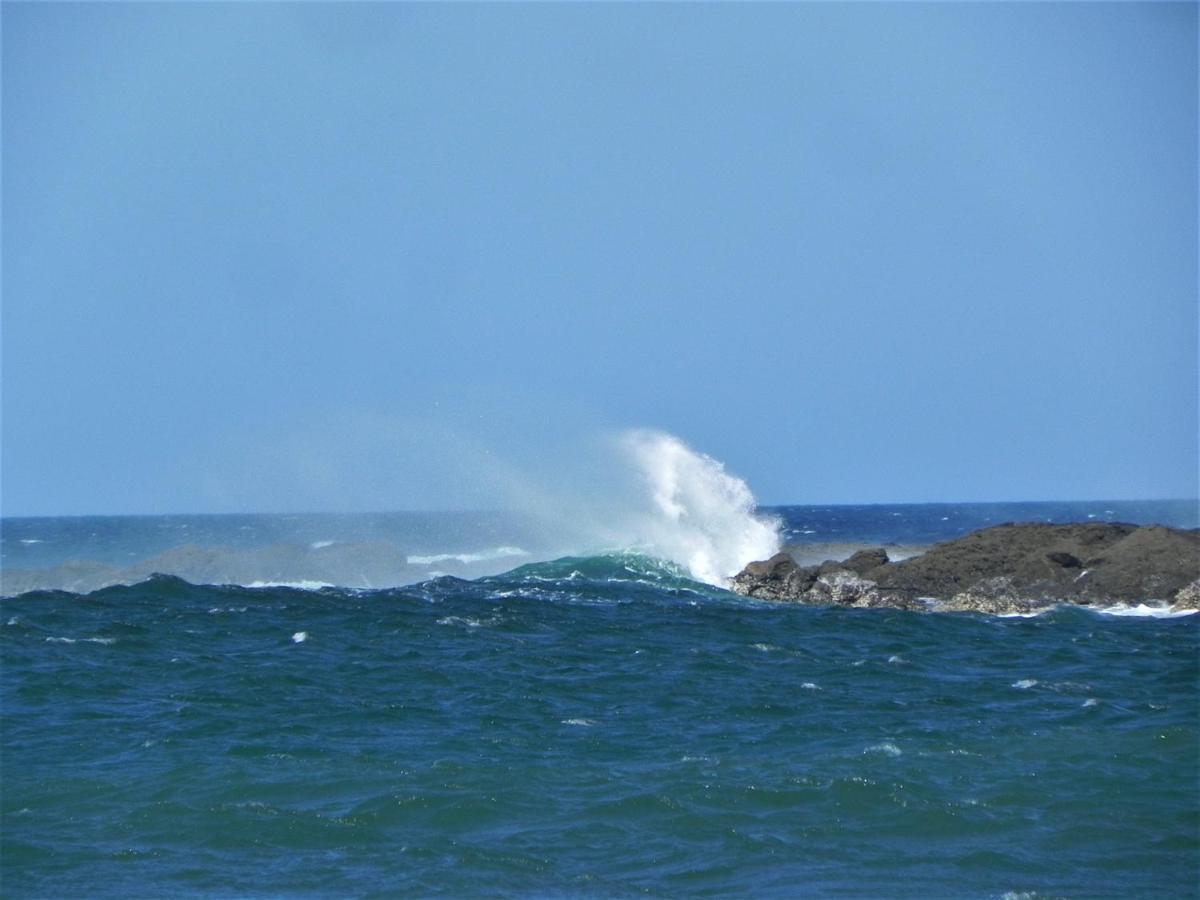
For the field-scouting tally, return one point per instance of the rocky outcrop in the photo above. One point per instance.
(1005, 569)
(1188, 596)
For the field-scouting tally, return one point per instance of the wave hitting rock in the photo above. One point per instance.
(1013, 568)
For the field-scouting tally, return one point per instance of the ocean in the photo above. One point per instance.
(499, 721)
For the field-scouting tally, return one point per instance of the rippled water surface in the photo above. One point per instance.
(599, 727)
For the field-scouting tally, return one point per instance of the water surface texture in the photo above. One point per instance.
(601, 726)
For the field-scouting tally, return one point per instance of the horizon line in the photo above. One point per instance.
(501, 511)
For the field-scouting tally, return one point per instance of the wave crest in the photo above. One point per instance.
(700, 516)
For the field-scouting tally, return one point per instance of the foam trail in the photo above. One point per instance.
(465, 558)
(699, 515)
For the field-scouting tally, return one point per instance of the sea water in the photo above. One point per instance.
(598, 725)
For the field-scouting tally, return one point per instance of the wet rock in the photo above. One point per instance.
(1188, 596)
(995, 596)
(777, 578)
(1005, 569)
(840, 587)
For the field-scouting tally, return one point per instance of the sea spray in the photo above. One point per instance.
(697, 515)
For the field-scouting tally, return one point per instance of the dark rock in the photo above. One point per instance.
(777, 578)
(1005, 569)
(865, 561)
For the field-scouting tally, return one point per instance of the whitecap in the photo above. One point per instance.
(1033, 613)
(1145, 610)
(296, 585)
(810, 686)
(584, 723)
(887, 748)
(764, 648)
(1091, 701)
(1025, 683)
(465, 558)
(320, 545)
(299, 637)
(32, 541)
(470, 623)
(896, 658)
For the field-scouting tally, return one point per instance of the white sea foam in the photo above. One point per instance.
(468, 622)
(299, 637)
(465, 558)
(32, 541)
(1025, 615)
(887, 748)
(298, 585)
(321, 545)
(86, 640)
(585, 723)
(698, 515)
(1144, 609)
(1025, 683)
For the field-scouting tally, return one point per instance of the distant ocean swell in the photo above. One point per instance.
(667, 501)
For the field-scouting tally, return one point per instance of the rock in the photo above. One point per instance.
(1066, 560)
(841, 586)
(992, 595)
(1188, 596)
(777, 578)
(865, 561)
(1005, 569)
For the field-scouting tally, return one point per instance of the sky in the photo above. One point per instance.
(273, 257)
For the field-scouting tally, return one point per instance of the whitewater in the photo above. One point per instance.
(521, 704)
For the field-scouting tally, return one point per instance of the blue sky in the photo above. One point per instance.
(272, 256)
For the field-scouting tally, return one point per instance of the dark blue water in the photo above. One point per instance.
(592, 727)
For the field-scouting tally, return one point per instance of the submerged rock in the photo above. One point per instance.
(1005, 569)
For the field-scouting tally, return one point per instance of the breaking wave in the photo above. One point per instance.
(693, 513)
